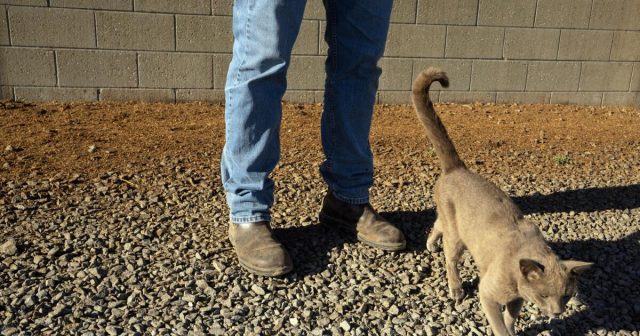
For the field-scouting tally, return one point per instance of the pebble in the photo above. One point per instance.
(9, 247)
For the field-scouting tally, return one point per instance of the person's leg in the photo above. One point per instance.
(264, 33)
(356, 34)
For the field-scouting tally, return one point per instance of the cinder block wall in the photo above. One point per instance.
(531, 51)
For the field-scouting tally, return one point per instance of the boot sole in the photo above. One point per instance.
(270, 272)
(335, 223)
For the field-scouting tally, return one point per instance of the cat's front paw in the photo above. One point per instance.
(456, 294)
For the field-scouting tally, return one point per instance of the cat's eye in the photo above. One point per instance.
(544, 296)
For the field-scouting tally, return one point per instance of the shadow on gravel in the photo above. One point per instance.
(587, 200)
(414, 224)
(309, 246)
(609, 289)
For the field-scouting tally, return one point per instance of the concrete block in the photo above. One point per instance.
(298, 96)
(415, 41)
(621, 99)
(126, 5)
(307, 41)
(553, 76)
(315, 10)
(498, 76)
(615, 14)
(135, 31)
(6, 93)
(139, 95)
(601, 76)
(577, 98)
(223, 7)
(512, 13)
(24, 2)
(306, 73)
(401, 97)
(203, 33)
(467, 97)
(635, 78)
(396, 74)
(52, 27)
(4, 27)
(22, 66)
(474, 42)
(563, 13)
(87, 68)
(523, 97)
(626, 46)
(453, 12)
(173, 6)
(458, 71)
(57, 94)
(203, 95)
(319, 96)
(404, 11)
(220, 68)
(175, 70)
(531, 43)
(586, 45)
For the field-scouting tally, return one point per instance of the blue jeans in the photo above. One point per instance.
(264, 32)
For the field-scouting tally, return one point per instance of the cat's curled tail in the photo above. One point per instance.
(436, 132)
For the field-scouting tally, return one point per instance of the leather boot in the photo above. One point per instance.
(363, 220)
(257, 250)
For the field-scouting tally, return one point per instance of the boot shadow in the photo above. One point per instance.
(309, 246)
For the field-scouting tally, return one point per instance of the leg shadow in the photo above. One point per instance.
(309, 246)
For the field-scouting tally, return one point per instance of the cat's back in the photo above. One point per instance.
(478, 205)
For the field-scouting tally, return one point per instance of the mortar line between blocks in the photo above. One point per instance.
(56, 72)
(95, 28)
(6, 13)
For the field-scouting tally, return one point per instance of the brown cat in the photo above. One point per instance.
(514, 260)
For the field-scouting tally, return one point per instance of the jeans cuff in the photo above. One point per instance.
(350, 200)
(250, 219)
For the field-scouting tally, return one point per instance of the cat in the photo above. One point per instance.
(514, 261)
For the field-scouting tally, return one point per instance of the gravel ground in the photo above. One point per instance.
(143, 250)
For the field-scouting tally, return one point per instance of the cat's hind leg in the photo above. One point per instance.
(434, 236)
(453, 248)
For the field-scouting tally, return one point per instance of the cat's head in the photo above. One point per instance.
(550, 285)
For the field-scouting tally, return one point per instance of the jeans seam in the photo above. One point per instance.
(250, 219)
(333, 48)
(350, 200)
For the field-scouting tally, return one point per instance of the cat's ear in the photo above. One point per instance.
(531, 269)
(576, 267)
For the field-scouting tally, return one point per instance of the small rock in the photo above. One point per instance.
(112, 330)
(345, 326)
(92, 148)
(258, 290)
(9, 247)
(219, 266)
(9, 331)
(9, 148)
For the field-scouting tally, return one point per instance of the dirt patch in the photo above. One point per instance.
(50, 139)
